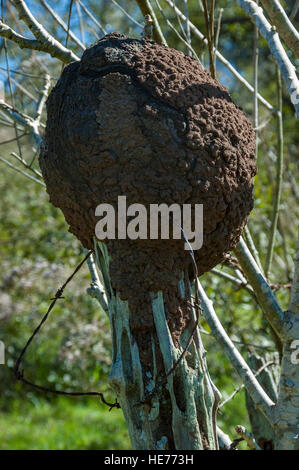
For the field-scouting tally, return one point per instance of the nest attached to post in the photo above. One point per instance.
(139, 119)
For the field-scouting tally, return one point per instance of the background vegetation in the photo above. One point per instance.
(72, 351)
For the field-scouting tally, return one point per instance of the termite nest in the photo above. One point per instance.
(142, 120)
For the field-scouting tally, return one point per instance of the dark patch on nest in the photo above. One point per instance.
(139, 119)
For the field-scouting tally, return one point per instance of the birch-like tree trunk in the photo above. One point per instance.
(172, 411)
(286, 421)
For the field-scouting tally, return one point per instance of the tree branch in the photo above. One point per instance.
(258, 395)
(147, 9)
(222, 59)
(263, 291)
(270, 34)
(22, 172)
(44, 39)
(248, 437)
(60, 21)
(279, 177)
(284, 26)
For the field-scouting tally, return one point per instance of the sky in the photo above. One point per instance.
(62, 8)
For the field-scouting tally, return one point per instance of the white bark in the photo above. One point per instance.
(284, 26)
(287, 411)
(44, 40)
(258, 395)
(262, 290)
(172, 412)
(286, 67)
(221, 58)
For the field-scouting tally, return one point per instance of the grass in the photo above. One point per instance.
(63, 425)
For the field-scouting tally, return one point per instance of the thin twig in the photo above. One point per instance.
(255, 84)
(284, 26)
(9, 82)
(258, 395)
(252, 247)
(240, 284)
(78, 8)
(147, 9)
(19, 374)
(223, 60)
(44, 40)
(294, 10)
(248, 437)
(127, 14)
(270, 34)
(188, 34)
(69, 22)
(279, 177)
(22, 172)
(92, 17)
(237, 390)
(4, 142)
(189, 47)
(263, 291)
(26, 165)
(217, 34)
(60, 21)
(209, 21)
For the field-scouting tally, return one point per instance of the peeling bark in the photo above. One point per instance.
(162, 413)
(286, 422)
(268, 378)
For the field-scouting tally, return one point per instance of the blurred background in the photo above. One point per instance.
(72, 351)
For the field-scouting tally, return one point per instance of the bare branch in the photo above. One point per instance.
(24, 119)
(284, 26)
(251, 245)
(286, 67)
(25, 164)
(294, 301)
(22, 172)
(44, 39)
(26, 43)
(96, 289)
(60, 21)
(185, 41)
(288, 397)
(279, 177)
(78, 8)
(248, 437)
(147, 9)
(233, 279)
(263, 291)
(258, 395)
(14, 114)
(237, 390)
(127, 14)
(43, 97)
(92, 17)
(294, 10)
(222, 59)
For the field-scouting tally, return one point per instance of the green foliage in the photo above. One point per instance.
(72, 351)
(62, 425)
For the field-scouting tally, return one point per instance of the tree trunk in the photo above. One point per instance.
(268, 378)
(177, 411)
(287, 409)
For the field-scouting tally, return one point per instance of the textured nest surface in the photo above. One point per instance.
(136, 118)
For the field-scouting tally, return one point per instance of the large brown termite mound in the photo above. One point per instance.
(142, 120)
